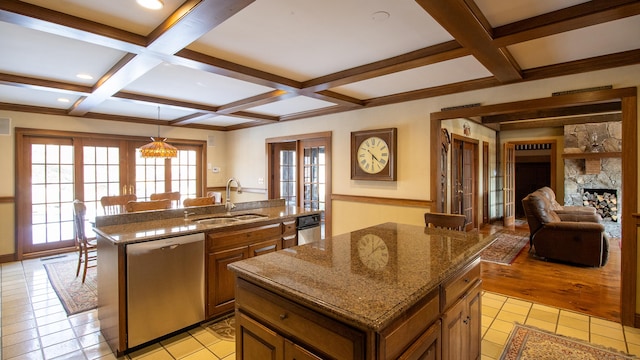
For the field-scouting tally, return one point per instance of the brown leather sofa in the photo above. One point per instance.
(574, 237)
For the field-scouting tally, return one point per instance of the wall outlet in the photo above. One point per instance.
(215, 169)
(260, 181)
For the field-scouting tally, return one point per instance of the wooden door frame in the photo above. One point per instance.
(297, 139)
(554, 154)
(485, 182)
(629, 109)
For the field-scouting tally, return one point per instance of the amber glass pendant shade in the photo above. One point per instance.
(158, 149)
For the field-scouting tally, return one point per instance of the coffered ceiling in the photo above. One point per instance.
(230, 64)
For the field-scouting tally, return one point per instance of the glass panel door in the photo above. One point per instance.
(102, 172)
(52, 195)
(314, 166)
(184, 174)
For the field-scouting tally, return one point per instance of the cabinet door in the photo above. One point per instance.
(427, 347)
(264, 247)
(461, 326)
(293, 351)
(454, 331)
(221, 281)
(474, 317)
(289, 234)
(255, 341)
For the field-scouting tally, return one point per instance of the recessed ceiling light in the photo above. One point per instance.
(380, 16)
(151, 4)
(84, 76)
(63, 100)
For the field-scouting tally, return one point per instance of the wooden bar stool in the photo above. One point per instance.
(445, 221)
(134, 206)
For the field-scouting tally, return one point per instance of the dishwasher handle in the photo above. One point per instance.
(170, 243)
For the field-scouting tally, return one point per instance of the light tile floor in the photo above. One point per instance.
(34, 325)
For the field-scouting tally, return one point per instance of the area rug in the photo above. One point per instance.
(506, 247)
(224, 329)
(528, 343)
(73, 294)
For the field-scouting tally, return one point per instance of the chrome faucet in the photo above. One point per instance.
(228, 205)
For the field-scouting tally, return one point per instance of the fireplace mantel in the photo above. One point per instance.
(592, 155)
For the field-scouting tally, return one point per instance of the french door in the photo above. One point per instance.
(53, 171)
(464, 179)
(509, 189)
(300, 173)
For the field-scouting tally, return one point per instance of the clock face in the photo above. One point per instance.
(373, 155)
(373, 252)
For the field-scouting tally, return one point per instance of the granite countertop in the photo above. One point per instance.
(330, 276)
(159, 228)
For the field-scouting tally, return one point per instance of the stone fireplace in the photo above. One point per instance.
(593, 167)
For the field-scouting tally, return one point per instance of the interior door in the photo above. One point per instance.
(509, 191)
(284, 176)
(464, 170)
(468, 181)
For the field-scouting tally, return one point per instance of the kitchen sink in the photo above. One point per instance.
(229, 219)
(217, 221)
(248, 216)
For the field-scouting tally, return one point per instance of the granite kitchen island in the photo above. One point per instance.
(162, 271)
(383, 292)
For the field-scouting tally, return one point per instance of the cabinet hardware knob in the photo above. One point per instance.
(466, 280)
(283, 316)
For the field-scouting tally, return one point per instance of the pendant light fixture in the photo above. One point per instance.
(158, 148)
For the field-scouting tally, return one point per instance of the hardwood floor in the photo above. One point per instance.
(593, 291)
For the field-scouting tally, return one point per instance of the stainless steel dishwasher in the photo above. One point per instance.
(308, 227)
(165, 286)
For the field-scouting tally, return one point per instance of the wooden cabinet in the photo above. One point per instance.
(427, 346)
(461, 322)
(223, 248)
(220, 281)
(289, 234)
(263, 318)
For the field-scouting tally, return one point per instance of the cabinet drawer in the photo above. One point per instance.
(234, 238)
(398, 337)
(456, 286)
(289, 228)
(307, 327)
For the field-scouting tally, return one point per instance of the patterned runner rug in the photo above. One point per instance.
(73, 294)
(506, 247)
(528, 343)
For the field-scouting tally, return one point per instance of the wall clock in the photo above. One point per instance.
(373, 154)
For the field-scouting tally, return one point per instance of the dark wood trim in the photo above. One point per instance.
(8, 258)
(383, 201)
(69, 134)
(574, 17)
(7, 199)
(628, 98)
(459, 20)
(628, 296)
(287, 138)
(519, 125)
(541, 114)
